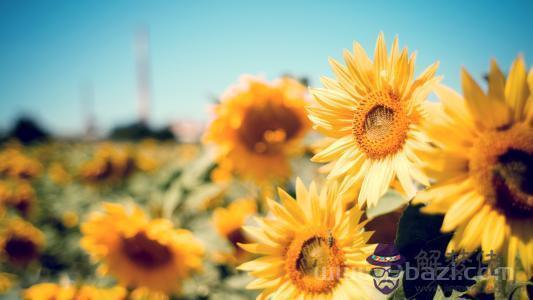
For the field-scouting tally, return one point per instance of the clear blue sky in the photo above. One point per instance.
(49, 48)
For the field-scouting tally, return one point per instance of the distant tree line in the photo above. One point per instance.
(28, 131)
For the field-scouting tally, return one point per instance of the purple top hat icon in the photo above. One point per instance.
(385, 255)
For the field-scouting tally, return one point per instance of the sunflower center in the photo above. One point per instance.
(20, 250)
(145, 252)
(380, 124)
(502, 164)
(265, 129)
(315, 264)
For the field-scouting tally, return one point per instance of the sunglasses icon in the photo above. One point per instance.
(380, 272)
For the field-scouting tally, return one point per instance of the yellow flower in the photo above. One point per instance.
(110, 163)
(6, 282)
(15, 164)
(228, 222)
(90, 292)
(258, 126)
(19, 195)
(20, 242)
(482, 162)
(138, 251)
(46, 291)
(146, 294)
(373, 112)
(58, 174)
(311, 248)
(70, 219)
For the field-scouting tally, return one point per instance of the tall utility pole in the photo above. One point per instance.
(143, 73)
(87, 109)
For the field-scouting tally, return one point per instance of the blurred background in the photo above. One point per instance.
(93, 68)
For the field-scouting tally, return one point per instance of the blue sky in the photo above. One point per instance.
(49, 48)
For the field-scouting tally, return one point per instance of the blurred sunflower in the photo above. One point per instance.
(6, 282)
(257, 127)
(46, 291)
(90, 292)
(139, 251)
(228, 222)
(146, 294)
(20, 242)
(311, 248)
(13, 163)
(373, 112)
(19, 195)
(58, 174)
(110, 163)
(484, 170)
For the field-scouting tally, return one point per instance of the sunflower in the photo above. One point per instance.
(20, 242)
(13, 163)
(258, 126)
(139, 251)
(373, 113)
(58, 174)
(46, 291)
(110, 164)
(311, 248)
(6, 282)
(482, 162)
(146, 294)
(19, 195)
(228, 222)
(91, 292)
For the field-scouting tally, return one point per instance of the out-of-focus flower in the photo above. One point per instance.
(20, 242)
(70, 219)
(138, 251)
(13, 163)
(147, 294)
(17, 194)
(6, 282)
(258, 126)
(228, 223)
(58, 174)
(46, 291)
(310, 248)
(110, 163)
(90, 292)
(373, 111)
(145, 162)
(483, 169)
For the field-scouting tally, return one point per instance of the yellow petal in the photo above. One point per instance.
(461, 210)
(516, 89)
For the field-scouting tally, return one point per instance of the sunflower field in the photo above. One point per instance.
(291, 194)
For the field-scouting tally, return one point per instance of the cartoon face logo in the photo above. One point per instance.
(387, 261)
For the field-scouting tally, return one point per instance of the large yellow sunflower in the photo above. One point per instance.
(373, 112)
(257, 126)
(20, 242)
(140, 252)
(311, 248)
(483, 164)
